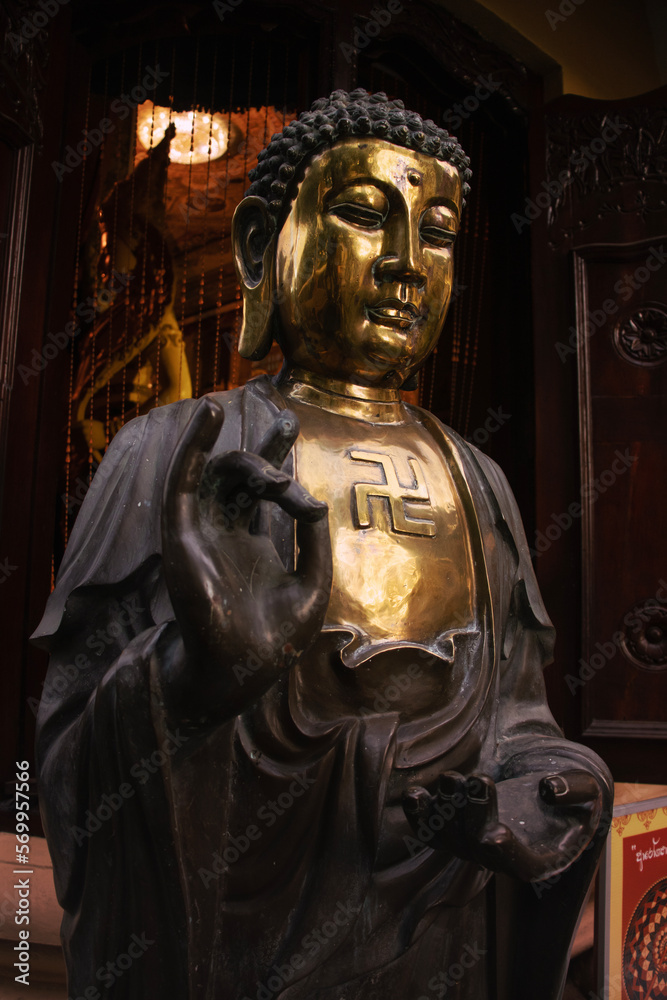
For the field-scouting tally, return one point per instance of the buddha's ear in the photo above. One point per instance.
(253, 240)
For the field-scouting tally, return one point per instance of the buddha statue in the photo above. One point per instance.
(294, 740)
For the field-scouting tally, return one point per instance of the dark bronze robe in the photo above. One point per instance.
(270, 856)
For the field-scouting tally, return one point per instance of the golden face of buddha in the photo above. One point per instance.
(363, 262)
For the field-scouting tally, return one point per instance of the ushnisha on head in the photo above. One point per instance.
(347, 116)
(343, 243)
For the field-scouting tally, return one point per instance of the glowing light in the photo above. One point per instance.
(195, 132)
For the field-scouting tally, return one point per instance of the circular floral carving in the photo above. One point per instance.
(646, 643)
(645, 951)
(641, 336)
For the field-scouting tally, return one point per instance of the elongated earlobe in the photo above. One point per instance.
(254, 251)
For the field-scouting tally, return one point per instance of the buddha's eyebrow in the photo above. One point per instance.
(361, 180)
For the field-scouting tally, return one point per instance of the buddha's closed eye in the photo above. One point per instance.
(358, 214)
(435, 229)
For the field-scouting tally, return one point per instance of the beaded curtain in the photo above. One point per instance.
(154, 261)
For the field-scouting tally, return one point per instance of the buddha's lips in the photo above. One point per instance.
(393, 312)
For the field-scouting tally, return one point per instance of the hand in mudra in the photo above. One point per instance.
(530, 827)
(233, 599)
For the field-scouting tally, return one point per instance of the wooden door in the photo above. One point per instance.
(599, 219)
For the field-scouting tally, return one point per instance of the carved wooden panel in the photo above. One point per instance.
(467, 56)
(598, 229)
(607, 163)
(621, 295)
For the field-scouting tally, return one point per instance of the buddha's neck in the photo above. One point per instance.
(377, 405)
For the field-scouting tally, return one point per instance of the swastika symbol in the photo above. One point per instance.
(396, 494)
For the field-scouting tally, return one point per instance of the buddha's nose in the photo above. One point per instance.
(392, 269)
(402, 263)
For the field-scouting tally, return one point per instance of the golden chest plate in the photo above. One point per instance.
(402, 566)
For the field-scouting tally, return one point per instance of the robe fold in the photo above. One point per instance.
(270, 856)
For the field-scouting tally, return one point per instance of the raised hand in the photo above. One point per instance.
(243, 619)
(531, 827)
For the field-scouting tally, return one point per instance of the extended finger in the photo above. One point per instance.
(300, 504)
(242, 471)
(482, 808)
(278, 440)
(180, 502)
(451, 783)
